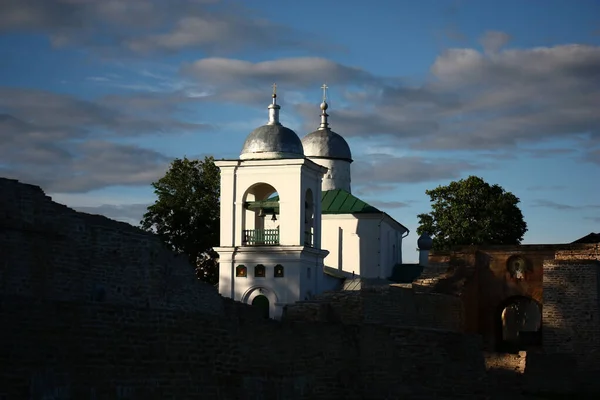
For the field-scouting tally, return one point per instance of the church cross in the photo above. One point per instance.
(324, 87)
(274, 89)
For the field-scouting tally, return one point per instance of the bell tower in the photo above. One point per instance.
(270, 245)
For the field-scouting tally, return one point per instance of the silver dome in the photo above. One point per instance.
(272, 141)
(325, 143)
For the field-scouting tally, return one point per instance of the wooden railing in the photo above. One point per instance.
(260, 237)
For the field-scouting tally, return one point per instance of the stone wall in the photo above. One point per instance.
(392, 305)
(96, 309)
(50, 251)
(68, 350)
(571, 312)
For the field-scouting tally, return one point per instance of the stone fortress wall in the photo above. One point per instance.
(92, 308)
(563, 279)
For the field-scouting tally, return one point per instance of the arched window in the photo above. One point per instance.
(259, 271)
(241, 271)
(279, 271)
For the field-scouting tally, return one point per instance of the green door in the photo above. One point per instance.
(262, 303)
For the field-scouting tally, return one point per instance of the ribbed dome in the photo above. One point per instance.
(325, 143)
(272, 141)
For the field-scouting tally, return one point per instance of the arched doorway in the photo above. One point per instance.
(262, 303)
(519, 324)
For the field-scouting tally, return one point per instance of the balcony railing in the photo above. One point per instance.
(260, 237)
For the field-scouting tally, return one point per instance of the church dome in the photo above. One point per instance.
(272, 140)
(325, 143)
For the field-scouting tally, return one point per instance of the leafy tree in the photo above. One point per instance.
(472, 212)
(186, 213)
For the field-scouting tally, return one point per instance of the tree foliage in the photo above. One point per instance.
(185, 214)
(472, 212)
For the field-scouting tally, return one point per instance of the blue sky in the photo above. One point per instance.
(97, 97)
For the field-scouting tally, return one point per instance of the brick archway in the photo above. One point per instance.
(519, 324)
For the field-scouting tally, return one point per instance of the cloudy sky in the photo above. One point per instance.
(97, 97)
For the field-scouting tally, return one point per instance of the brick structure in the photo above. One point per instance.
(391, 305)
(92, 308)
(88, 311)
(563, 280)
(49, 251)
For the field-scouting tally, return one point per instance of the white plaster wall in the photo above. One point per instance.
(338, 174)
(289, 178)
(280, 291)
(370, 245)
(294, 286)
(391, 248)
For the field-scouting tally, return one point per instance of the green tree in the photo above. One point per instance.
(186, 213)
(472, 212)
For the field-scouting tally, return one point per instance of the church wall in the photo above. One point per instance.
(364, 242)
(286, 181)
(390, 249)
(227, 207)
(341, 232)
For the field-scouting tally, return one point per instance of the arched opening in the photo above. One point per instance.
(259, 271)
(269, 307)
(260, 220)
(262, 303)
(309, 218)
(278, 271)
(241, 271)
(519, 324)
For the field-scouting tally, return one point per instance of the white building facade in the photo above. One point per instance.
(287, 213)
(361, 240)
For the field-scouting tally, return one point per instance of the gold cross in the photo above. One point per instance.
(324, 87)
(274, 89)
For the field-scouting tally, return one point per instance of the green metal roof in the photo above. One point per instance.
(339, 201)
(336, 201)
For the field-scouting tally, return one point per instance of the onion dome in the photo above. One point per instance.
(272, 140)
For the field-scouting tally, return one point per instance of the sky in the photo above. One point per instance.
(98, 97)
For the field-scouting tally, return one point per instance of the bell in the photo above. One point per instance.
(261, 212)
(274, 217)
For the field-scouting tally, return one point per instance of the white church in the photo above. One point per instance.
(290, 226)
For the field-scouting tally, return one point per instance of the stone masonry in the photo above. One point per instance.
(49, 251)
(96, 309)
(392, 305)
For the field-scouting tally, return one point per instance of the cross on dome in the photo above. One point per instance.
(324, 107)
(324, 87)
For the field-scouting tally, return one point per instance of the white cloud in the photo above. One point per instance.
(151, 26)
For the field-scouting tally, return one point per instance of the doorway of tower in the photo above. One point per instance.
(519, 322)
(262, 303)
